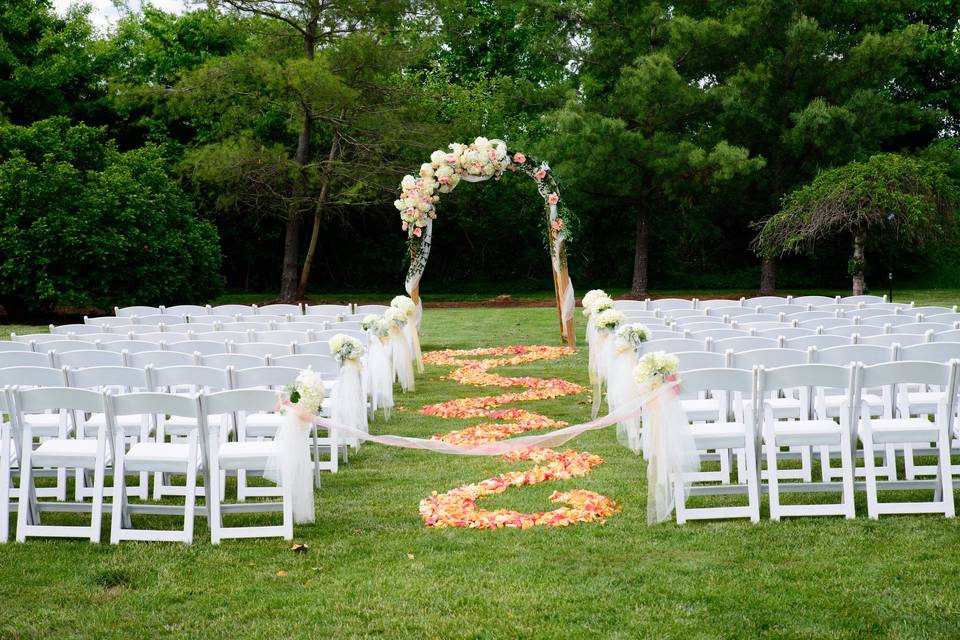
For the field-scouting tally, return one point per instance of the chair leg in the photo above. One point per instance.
(870, 476)
(241, 485)
(96, 512)
(825, 469)
(288, 511)
(190, 499)
(119, 500)
(891, 461)
(24, 506)
(806, 463)
(847, 471)
(908, 464)
(61, 484)
(213, 507)
(679, 501)
(773, 479)
(753, 481)
(946, 475)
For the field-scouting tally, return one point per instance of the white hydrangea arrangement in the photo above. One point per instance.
(394, 317)
(631, 336)
(404, 304)
(344, 347)
(595, 302)
(368, 321)
(656, 366)
(608, 319)
(306, 393)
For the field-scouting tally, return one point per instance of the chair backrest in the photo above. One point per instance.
(243, 326)
(77, 329)
(81, 359)
(756, 318)
(923, 327)
(6, 345)
(894, 320)
(692, 323)
(281, 337)
(184, 310)
(127, 378)
(671, 345)
(764, 301)
(785, 332)
(947, 336)
(151, 402)
(819, 341)
(671, 304)
(105, 321)
(906, 372)
(812, 315)
(326, 366)
(211, 318)
(193, 376)
(775, 357)
(130, 346)
(320, 348)
(35, 337)
(684, 312)
(366, 309)
(869, 313)
(849, 330)
(271, 377)
(717, 304)
(744, 343)
(315, 322)
(63, 346)
(158, 359)
(281, 309)
(185, 327)
(632, 306)
(717, 379)
(266, 318)
(263, 349)
(827, 376)
(930, 351)
(329, 310)
(933, 310)
(866, 299)
(887, 339)
(815, 300)
(65, 398)
(786, 309)
(246, 400)
(948, 318)
(231, 336)
(233, 309)
(126, 312)
(158, 337)
(203, 347)
(348, 325)
(24, 359)
(826, 323)
(327, 334)
(845, 354)
(32, 376)
(716, 334)
(155, 319)
(700, 360)
(235, 360)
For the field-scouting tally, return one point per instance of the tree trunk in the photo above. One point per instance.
(859, 264)
(640, 255)
(291, 240)
(317, 216)
(768, 277)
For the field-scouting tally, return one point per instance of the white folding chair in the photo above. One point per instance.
(865, 299)
(738, 433)
(744, 343)
(145, 457)
(263, 349)
(201, 347)
(8, 460)
(25, 359)
(159, 359)
(671, 304)
(128, 346)
(807, 432)
(82, 454)
(184, 310)
(815, 300)
(6, 345)
(671, 345)
(764, 301)
(717, 305)
(233, 309)
(126, 312)
(225, 457)
(785, 332)
(367, 309)
(88, 358)
(75, 329)
(890, 339)
(332, 310)
(235, 360)
(280, 310)
(129, 429)
(904, 430)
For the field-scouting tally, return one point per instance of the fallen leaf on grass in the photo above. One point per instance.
(281, 573)
(299, 547)
(409, 556)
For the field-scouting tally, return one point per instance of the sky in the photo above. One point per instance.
(105, 14)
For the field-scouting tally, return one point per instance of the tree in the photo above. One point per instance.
(908, 200)
(85, 225)
(640, 140)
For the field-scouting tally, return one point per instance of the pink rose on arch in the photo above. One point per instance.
(540, 174)
(519, 158)
(553, 198)
(417, 232)
(411, 211)
(557, 224)
(405, 226)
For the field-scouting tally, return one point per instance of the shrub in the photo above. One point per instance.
(82, 224)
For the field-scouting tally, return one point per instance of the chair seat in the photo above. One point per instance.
(701, 408)
(924, 402)
(724, 435)
(902, 430)
(181, 426)
(66, 452)
(245, 455)
(259, 425)
(806, 432)
(46, 425)
(157, 456)
(782, 407)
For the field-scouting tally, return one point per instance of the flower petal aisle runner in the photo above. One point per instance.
(458, 507)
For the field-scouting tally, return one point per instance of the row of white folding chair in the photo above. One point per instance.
(233, 309)
(744, 432)
(203, 453)
(694, 303)
(322, 363)
(45, 342)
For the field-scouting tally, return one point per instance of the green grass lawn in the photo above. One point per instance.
(374, 570)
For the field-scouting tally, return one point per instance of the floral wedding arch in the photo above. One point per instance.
(481, 160)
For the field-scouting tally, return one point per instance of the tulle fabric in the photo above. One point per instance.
(402, 359)
(291, 465)
(412, 333)
(622, 389)
(349, 400)
(667, 444)
(379, 376)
